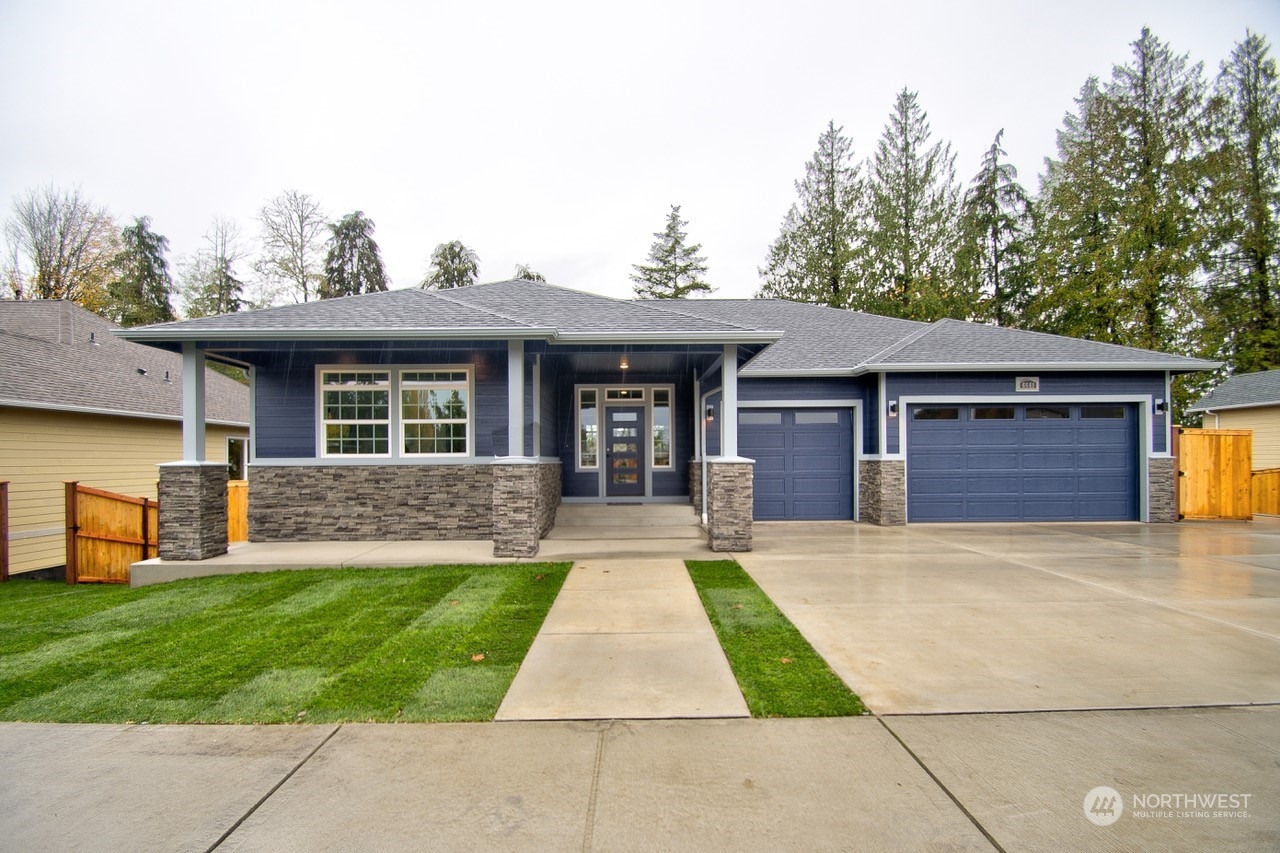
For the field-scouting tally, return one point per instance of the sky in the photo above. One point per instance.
(553, 134)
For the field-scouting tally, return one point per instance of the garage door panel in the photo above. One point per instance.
(804, 462)
(1024, 468)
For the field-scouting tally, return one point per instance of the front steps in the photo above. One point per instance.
(626, 522)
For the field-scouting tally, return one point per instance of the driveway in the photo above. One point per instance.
(1019, 617)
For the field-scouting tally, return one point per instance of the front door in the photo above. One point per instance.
(624, 451)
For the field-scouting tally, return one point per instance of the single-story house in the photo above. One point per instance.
(1248, 401)
(473, 412)
(78, 403)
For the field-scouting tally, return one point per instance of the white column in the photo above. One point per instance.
(515, 398)
(192, 403)
(700, 418)
(729, 401)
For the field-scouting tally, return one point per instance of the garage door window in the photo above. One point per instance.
(935, 414)
(991, 413)
(817, 418)
(1102, 412)
(1047, 413)
(760, 418)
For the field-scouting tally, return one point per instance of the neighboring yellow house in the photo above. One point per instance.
(78, 403)
(1248, 401)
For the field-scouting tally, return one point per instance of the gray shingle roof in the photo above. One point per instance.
(801, 338)
(1242, 391)
(47, 360)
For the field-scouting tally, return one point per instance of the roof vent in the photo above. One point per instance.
(167, 380)
(142, 371)
(93, 339)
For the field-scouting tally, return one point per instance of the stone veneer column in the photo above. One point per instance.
(729, 505)
(516, 521)
(193, 510)
(695, 484)
(882, 491)
(1162, 490)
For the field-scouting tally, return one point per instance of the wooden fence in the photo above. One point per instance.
(1266, 491)
(1214, 476)
(237, 510)
(4, 531)
(107, 532)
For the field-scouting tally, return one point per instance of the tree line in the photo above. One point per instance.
(1156, 223)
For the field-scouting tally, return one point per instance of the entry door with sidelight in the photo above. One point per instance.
(625, 451)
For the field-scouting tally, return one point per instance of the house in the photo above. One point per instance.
(78, 403)
(1248, 401)
(472, 413)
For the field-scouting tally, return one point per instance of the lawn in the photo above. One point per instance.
(779, 673)
(433, 643)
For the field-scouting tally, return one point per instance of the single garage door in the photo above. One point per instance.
(1022, 463)
(804, 462)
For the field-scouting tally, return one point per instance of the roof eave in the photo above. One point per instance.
(706, 337)
(160, 335)
(115, 413)
(1215, 408)
(1181, 366)
(781, 373)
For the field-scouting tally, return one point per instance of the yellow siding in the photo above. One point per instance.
(40, 450)
(1265, 423)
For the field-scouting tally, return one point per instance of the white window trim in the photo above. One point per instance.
(577, 428)
(602, 403)
(466, 384)
(671, 407)
(395, 423)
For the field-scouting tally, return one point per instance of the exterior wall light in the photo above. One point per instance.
(893, 409)
(711, 413)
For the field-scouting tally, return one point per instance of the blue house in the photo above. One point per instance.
(473, 413)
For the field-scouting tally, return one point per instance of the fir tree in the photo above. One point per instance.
(139, 291)
(994, 221)
(813, 258)
(352, 263)
(912, 239)
(209, 282)
(452, 265)
(675, 268)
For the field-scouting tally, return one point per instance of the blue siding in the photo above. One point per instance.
(1101, 384)
(285, 389)
(862, 388)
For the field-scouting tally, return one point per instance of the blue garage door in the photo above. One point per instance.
(804, 462)
(1022, 463)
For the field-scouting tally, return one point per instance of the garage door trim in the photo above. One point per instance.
(855, 405)
(1142, 402)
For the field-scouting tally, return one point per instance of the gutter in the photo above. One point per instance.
(115, 413)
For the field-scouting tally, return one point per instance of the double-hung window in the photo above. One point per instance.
(396, 412)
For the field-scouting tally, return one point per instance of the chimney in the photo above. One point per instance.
(64, 322)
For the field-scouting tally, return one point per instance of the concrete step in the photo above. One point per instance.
(617, 533)
(638, 515)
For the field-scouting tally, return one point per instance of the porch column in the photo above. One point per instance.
(515, 398)
(193, 492)
(192, 403)
(729, 401)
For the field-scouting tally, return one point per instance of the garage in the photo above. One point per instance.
(804, 462)
(1041, 462)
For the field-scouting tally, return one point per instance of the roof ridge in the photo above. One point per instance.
(901, 344)
(480, 308)
(648, 304)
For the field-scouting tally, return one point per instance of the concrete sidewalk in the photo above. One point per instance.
(626, 638)
(957, 782)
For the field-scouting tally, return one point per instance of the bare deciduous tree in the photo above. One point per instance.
(293, 237)
(60, 246)
(208, 278)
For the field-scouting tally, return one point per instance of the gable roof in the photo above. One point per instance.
(57, 355)
(1242, 391)
(801, 339)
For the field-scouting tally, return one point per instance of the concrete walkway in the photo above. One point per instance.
(626, 638)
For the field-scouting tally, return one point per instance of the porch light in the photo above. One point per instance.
(624, 364)
(893, 409)
(1161, 407)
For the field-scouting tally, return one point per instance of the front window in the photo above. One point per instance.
(587, 428)
(432, 418)
(355, 412)
(661, 428)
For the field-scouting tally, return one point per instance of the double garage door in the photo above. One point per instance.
(1022, 463)
(804, 462)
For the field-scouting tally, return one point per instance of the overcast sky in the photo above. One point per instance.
(549, 133)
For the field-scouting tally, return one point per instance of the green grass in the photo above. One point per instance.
(779, 673)
(425, 644)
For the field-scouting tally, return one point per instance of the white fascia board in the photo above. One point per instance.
(285, 334)
(777, 373)
(1014, 367)
(1215, 408)
(742, 337)
(115, 413)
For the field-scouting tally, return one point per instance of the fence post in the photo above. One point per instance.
(4, 531)
(73, 526)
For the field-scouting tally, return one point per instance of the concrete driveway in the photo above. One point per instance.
(1018, 617)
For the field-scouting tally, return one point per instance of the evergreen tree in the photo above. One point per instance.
(139, 291)
(352, 262)
(209, 282)
(452, 265)
(994, 221)
(524, 273)
(913, 234)
(1077, 263)
(675, 268)
(813, 259)
(1245, 176)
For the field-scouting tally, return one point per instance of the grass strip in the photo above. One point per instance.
(429, 643)
(779, 673)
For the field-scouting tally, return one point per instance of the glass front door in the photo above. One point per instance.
(625, 437)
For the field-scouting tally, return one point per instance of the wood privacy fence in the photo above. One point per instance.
(1266, 491)
(107, 532)
(1214, 476)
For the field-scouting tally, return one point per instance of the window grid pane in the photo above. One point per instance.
(587, 429)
